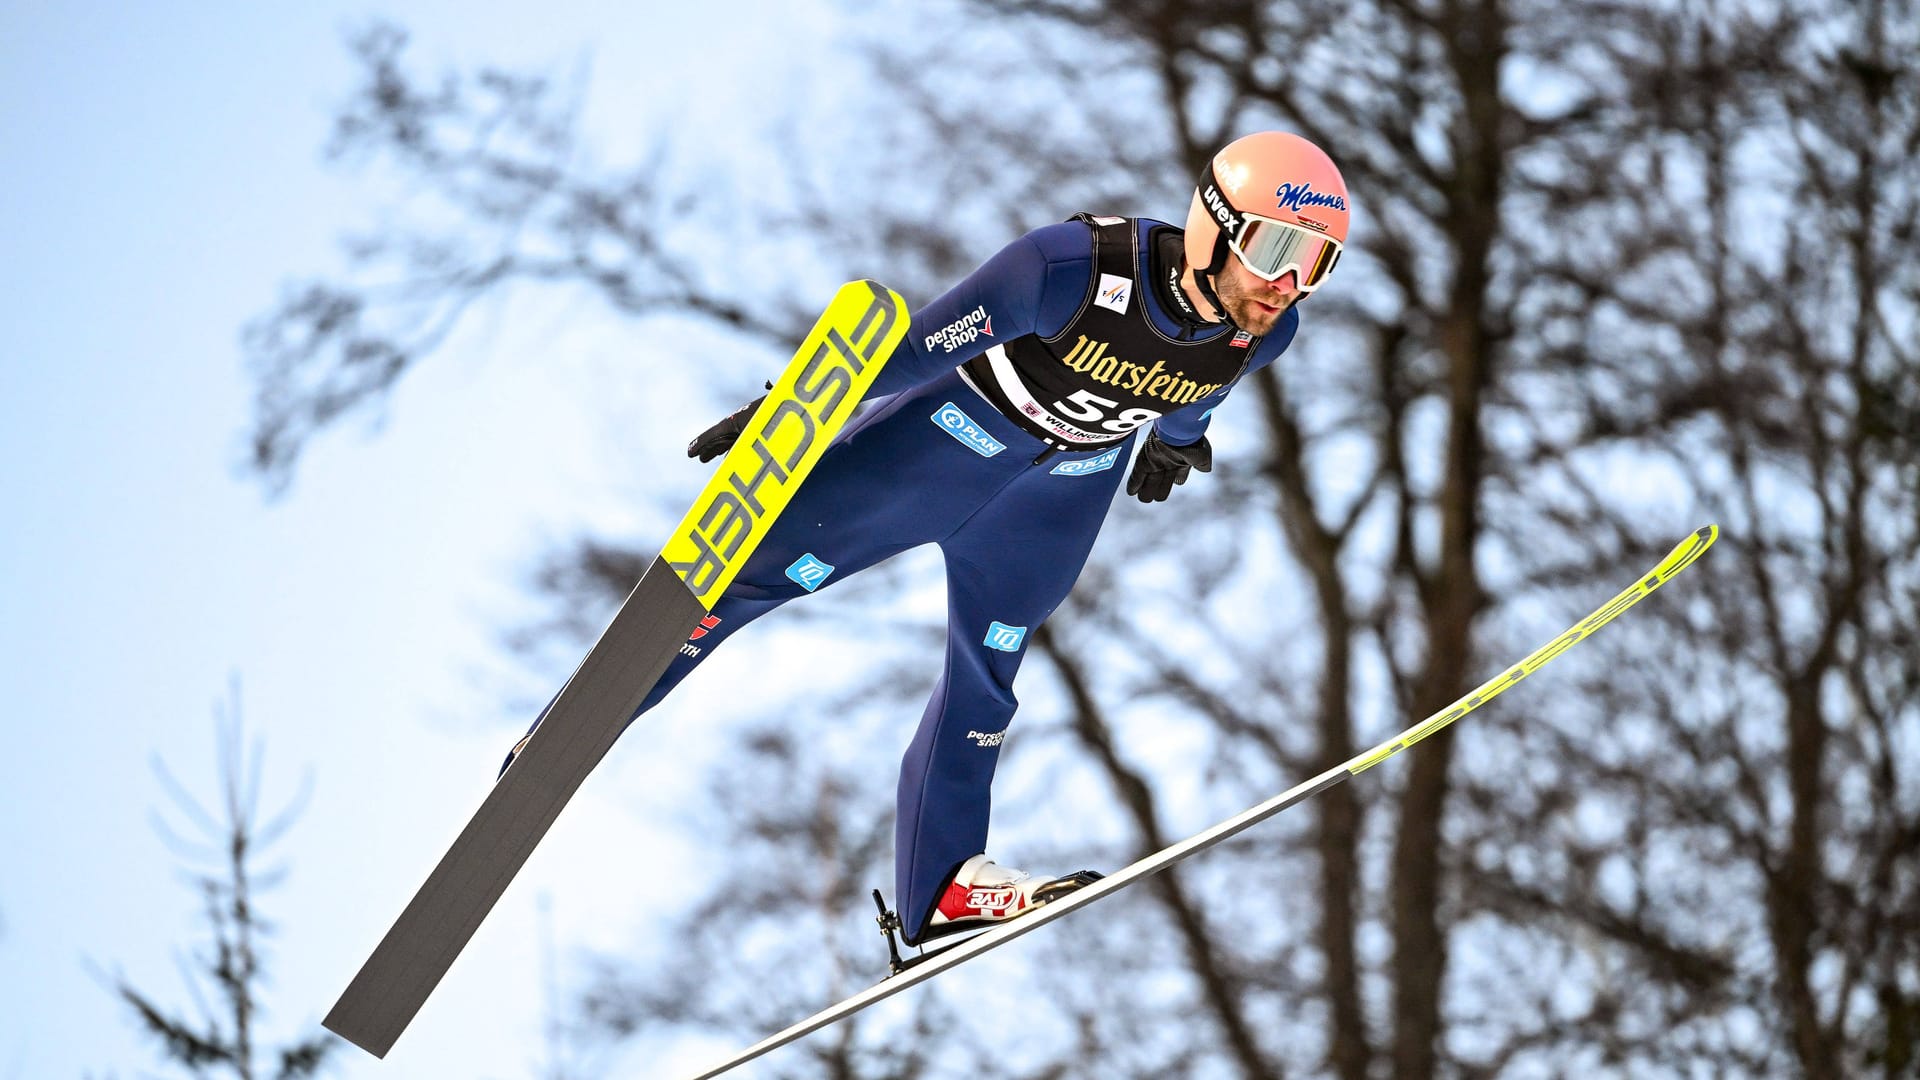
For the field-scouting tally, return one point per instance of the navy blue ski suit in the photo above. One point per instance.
(1014, 511)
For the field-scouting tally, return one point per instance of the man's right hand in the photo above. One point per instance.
(720, 438)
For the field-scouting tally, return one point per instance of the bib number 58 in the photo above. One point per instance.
(1089, 408)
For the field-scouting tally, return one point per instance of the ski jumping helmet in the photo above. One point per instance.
(1276, 202)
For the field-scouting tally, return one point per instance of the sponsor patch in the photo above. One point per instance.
(1087, 465)
(971, 435)
(1115, 293)
(1091, 359)
(994, 899)
(1241, 340)
(808, 572)
(1295, 197)
(1222, 210)
(974, 324)
(1005, 638)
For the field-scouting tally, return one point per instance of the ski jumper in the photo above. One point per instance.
(1007, 416)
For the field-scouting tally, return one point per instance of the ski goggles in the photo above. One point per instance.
(1269, 247)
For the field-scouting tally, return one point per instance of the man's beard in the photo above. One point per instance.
(1248, 313)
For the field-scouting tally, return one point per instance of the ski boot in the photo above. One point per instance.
(983, 893)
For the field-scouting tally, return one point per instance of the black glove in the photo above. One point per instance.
(720, 438)
(1160, 466)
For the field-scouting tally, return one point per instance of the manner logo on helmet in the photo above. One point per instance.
(961, 426)
(808, 571)
(961, 330)
(1294, 196)
(1115, 293)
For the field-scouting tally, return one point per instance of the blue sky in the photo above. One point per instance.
(164, 177)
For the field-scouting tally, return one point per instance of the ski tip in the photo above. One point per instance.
(1707, 533)
(869, 287)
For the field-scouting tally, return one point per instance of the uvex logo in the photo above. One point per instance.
(1217, 203)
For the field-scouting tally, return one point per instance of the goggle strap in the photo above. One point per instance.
(1214, 198)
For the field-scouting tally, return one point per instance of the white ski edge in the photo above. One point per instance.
(1679, 559)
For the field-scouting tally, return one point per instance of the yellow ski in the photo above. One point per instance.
(921, 968)
(807, 406)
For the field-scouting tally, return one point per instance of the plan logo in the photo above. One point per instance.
(961, 330)
(1087, 465)
(1115, 293)
(808, 571)
(1005, 638)
(971, 435)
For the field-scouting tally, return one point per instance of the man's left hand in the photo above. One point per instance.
(1160, 466)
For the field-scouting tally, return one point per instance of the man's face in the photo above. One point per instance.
(1254, 304)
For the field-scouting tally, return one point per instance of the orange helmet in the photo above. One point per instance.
(1275, 201)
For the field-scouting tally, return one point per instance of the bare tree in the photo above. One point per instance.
(220, 1036)
(1617, 269)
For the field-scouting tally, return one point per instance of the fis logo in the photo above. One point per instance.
(987, 739)
(1005, 638)
(961, 330)
(961, 426)
(1296, 196)
(809, 572)
(1115, 293)
(1088, 465)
